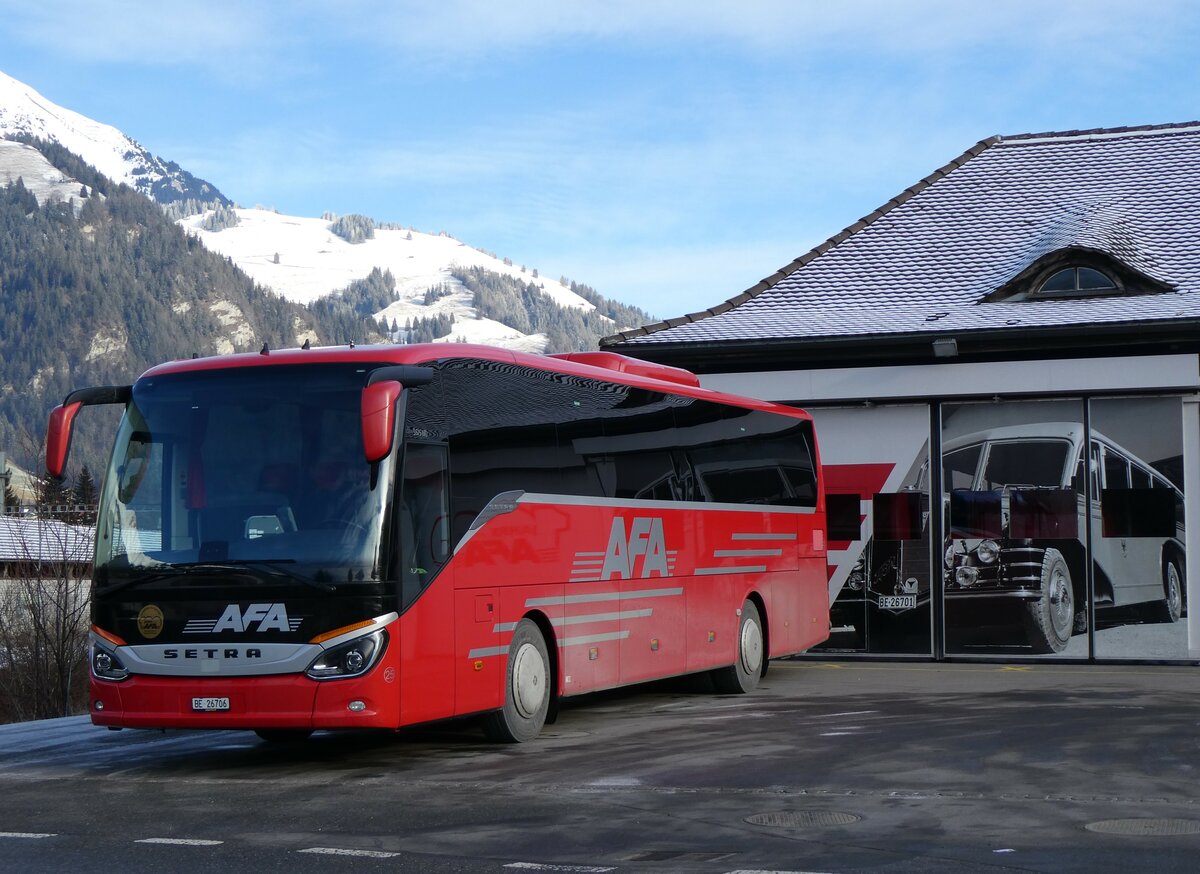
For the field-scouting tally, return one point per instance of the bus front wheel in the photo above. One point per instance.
(1050, 619)
(742, 676)
(526, 688)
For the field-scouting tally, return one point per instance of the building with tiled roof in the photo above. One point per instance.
(959, 253)
(1016, 339)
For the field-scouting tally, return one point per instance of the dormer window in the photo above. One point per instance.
(1075, 272)
(1076, 281)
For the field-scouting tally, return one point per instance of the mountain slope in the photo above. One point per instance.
(26, 113)
(96, 289)
(304, 259)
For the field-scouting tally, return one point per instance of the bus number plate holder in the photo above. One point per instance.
(206, 705)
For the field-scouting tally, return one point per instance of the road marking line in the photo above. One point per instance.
(537, 866)
(338, 851)
(1015, 670)
(181, 842)
(33, 835)
(757, 871)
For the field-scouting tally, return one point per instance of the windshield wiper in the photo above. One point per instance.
(186, 569)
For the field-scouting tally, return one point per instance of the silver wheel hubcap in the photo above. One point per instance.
(1174, 591)
(1062, 611)
(751, 648)
(528, 680)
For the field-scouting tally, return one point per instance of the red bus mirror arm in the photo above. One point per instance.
(62, 420)
(379, 397)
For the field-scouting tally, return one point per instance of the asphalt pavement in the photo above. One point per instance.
(834, 766)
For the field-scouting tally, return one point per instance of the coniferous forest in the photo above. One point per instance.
(95, 295)
(95, 291)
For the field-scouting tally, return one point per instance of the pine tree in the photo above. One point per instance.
(85, 498)
(12, 504)
(53, 496)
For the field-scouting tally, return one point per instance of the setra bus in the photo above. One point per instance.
(377, 536)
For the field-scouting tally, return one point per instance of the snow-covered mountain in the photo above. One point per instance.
(23, 111)
(303, 259)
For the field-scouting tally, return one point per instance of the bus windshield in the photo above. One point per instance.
(249, 469)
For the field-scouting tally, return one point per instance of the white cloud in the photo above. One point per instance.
(228, 35)
(145, 32)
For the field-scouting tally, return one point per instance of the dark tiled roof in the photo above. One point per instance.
(925, 261)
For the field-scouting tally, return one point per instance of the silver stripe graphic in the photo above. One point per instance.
(592, 638)
(742, 569)
(485, 651)
(766, 537)
(602, 617)
(601, 596)
(637, 504)
(505, 626)
(745, 553)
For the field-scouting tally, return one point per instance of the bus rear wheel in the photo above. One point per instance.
(742, 676)
(1170, 608)
(526, 688)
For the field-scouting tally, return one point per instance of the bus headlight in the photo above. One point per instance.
(987, 551)
(350, 659)
(106, 665)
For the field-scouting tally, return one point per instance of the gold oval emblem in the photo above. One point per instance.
(150, 621)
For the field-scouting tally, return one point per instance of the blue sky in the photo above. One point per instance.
(670, 153)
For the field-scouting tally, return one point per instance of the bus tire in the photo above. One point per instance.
(743, 675)
(1170, 608)
(526, 688)
(283, 735)
(1050, 619)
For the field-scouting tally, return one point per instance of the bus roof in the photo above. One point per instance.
(606, 366)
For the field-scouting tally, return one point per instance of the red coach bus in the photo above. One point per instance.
(373, 537)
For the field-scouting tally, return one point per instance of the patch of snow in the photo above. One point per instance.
(313, 261)
(43, 179)
(119, 157)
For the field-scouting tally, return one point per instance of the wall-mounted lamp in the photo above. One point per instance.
(945, 348)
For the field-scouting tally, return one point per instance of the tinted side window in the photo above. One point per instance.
(500, 421)
(959, 466)
(752, 457)
(1116, 470)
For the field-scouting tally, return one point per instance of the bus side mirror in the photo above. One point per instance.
(58, 438)
(62, 420)
(379, 419)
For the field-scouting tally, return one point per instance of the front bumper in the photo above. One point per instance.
(1016, 574)
(280, 701)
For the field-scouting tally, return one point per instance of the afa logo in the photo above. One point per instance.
(640, 551)
(270, 617)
